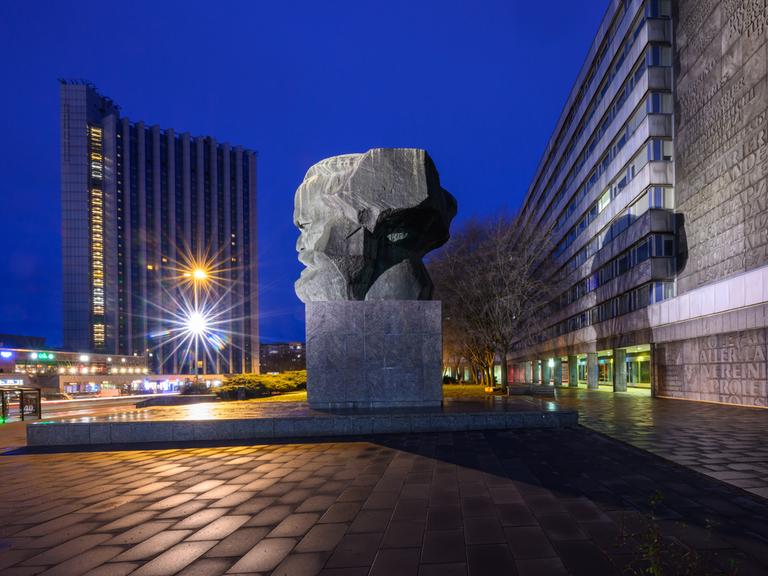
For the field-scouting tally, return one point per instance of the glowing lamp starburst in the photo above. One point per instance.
(197, 323)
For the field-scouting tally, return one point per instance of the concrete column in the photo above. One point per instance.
(546, 371)
(537, 371)
(592, 371)
(528, 372)
(619, 370)
(573, 371)
(558, 372)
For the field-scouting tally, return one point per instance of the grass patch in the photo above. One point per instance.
(464, 391)
(449, 391)
(298, 396)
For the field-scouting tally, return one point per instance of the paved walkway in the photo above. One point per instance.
(533, 502)
(729, 443)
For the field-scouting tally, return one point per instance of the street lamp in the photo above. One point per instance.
(196, 322)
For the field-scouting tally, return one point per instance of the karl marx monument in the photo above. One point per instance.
(373, 333)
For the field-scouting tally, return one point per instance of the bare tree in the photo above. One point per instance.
(494, 286)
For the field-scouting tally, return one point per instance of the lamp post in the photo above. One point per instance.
(197, 321)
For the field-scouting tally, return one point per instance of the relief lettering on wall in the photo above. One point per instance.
(747, 17)
(721, 146)
(731, 368)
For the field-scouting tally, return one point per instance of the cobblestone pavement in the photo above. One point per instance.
(515, 502)
(724, 442)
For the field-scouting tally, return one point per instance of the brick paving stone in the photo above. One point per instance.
(295, 525)
(140, 533)
(528, 542)
(200, 519)
(560, 527)
(490, 560)
(153, 545)
(371, 521)
(400, 561)
(219, 528)
(442, 546)
(541, 567)
(113, 569)
(84, 562)
(404, 534)
(67, 550)
(270, 516)
(454, 569)
(238, 543)
(206, 567)
(316, 504)
(308, 564)
(55, 538)
(322, 538)
(265, 556)
(355, 550)
(129, 521)
(340, 512)
(183, 510)
(482, 530)
(174, 559)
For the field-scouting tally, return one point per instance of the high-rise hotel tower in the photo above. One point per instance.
(139, 203)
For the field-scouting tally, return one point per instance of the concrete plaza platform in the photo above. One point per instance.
(254, 421)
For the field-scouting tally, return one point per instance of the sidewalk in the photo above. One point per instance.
(724, 442)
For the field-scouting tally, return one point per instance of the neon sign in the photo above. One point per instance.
(42, 356)
(6, 354)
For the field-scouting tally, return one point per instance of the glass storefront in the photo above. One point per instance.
(638, 368)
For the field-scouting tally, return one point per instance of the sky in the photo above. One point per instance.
(479, 84)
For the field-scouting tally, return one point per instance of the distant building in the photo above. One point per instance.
(653, 186)
(282, 357)
(72, 372)
(137, 202)
(19, 341)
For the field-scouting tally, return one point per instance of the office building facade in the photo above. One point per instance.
(654, 188)
(282, 356)
(139, 204)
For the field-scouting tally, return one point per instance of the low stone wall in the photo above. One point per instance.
(98, 433)
(177, 400)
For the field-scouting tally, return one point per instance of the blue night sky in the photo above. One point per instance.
(479, 84)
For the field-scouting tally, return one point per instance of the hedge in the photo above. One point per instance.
(240, 386)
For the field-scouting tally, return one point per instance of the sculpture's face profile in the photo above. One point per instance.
(366, 221)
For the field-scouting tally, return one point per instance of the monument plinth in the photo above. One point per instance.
(368, 354)
(373, 333)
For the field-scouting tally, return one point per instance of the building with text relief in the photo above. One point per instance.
(654, 187)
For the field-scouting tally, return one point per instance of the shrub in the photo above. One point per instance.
(190, 388)
(242, 386)
(449, 380)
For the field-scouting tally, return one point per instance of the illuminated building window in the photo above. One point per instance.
(97, 234)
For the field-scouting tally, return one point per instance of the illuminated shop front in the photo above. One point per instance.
(71, 372)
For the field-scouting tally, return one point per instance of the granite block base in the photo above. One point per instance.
(371, 354)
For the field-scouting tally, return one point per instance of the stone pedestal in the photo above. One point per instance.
(370, 354)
